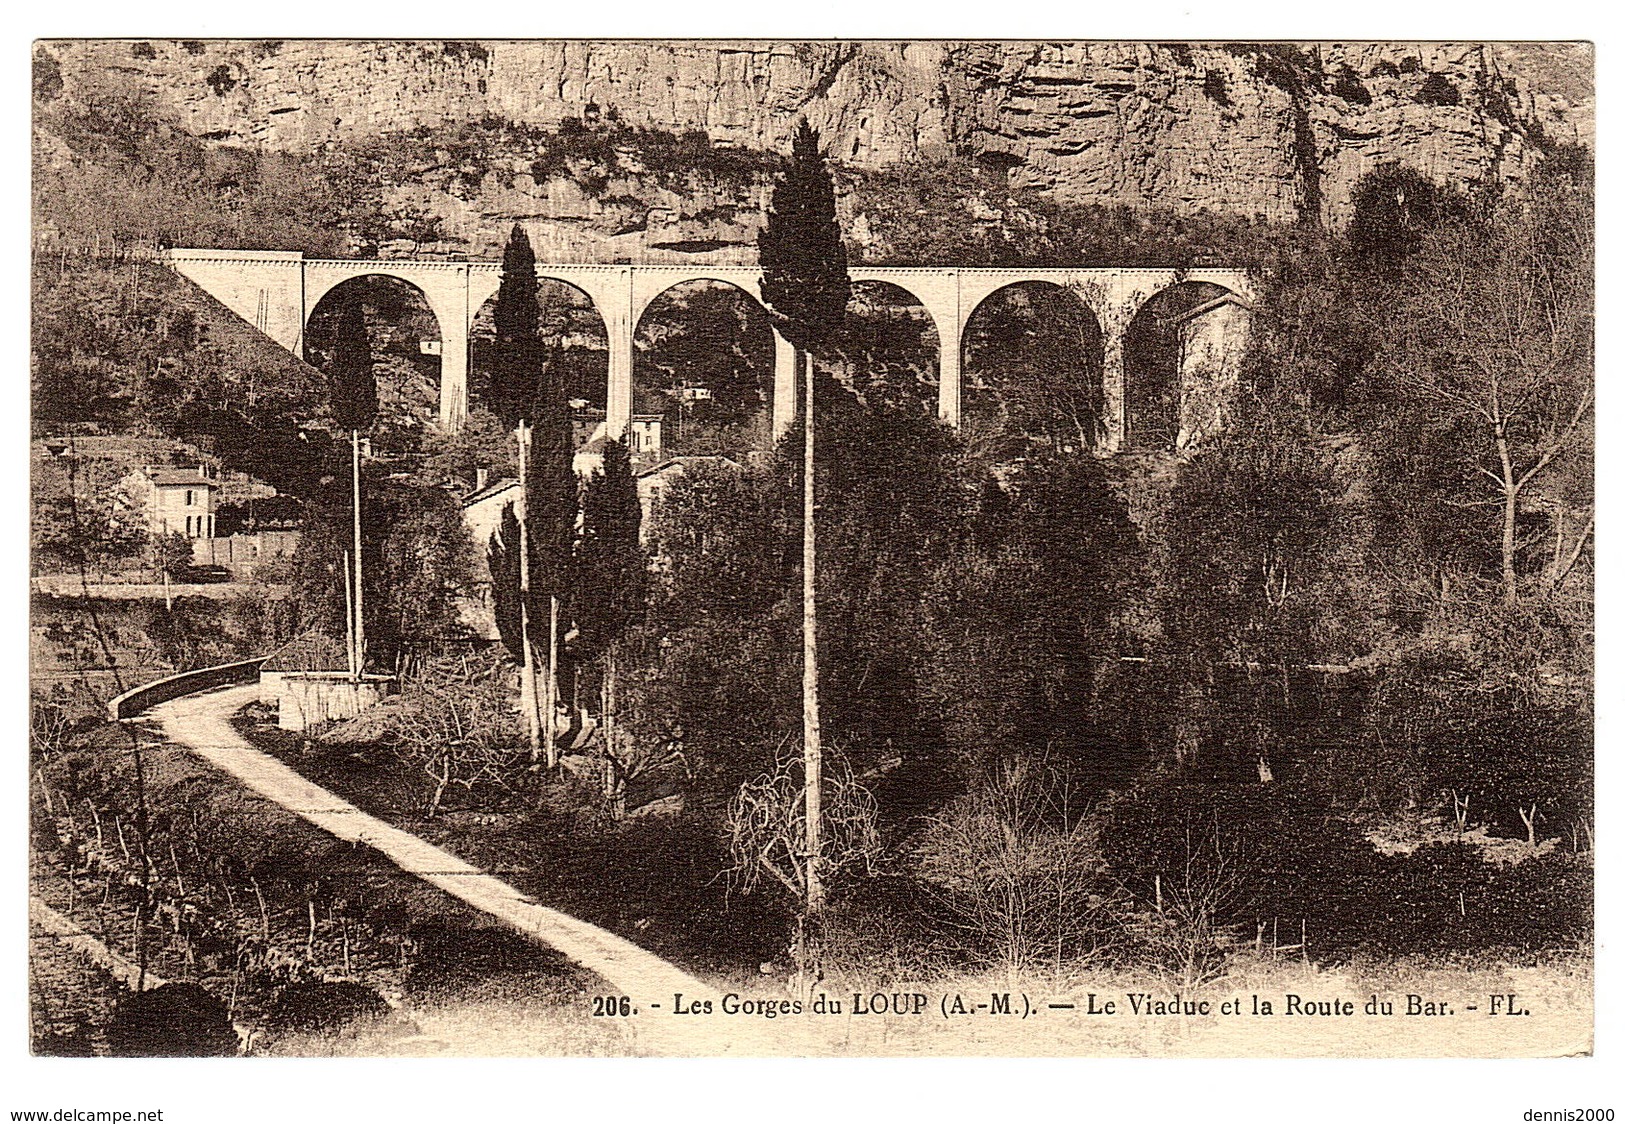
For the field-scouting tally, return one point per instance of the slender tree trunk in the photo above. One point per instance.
(355, 508)
(812, 749)
(549, 733)
(1509, 520)
(1509, 549)
(349, 619)
(142, 834)
(1559, 541)
(1574, 555)
(527, 674)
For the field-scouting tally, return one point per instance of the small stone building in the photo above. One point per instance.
(643, 439)
(178, 500)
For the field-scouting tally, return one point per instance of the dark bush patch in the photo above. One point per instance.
(1438, 90)
(453, 957)
(76, 1043)
(316, 1007)
(1276, 856)
(462, 51)
(658, 883)
(895, 922)
(221, 80)
(1394, 208)
(176, 1020)
(1180, 52)
(1214, 86)
(47, 77)
(1285, 66)
(1347, 85)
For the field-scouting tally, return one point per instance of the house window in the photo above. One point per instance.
(188, 526)
(191, 498)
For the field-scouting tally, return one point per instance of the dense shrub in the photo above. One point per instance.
(890, 927)
(1510, 759)
(1274, 858)
(1347, 85)
(175, 1020)
(1438, 90)
(322, 1007)
(1394, 208)
(452, 957)
(656, 880)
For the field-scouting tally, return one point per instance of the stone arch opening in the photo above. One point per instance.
(575, 342)
(1157, 357)
(1033, 376)
(702, 373)
(890, 351)
(406, 341)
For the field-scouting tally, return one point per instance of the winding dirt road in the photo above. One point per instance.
(202, 723)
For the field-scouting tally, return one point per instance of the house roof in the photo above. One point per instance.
(683, 462)
(596, 414)
(496, 487)
(182, 477)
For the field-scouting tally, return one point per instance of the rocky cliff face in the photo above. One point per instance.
(1277, 131)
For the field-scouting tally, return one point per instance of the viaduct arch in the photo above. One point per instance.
(276, 291)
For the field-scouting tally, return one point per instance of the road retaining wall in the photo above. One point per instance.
(137, 699)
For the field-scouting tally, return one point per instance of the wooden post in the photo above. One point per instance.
(360, 620)
(812, 749)
(349, 622)
(550, 718)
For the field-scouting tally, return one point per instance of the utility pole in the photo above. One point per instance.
(349, 620)
(812, 746)
(355, 508)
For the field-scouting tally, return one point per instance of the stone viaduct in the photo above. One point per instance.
(277, 292)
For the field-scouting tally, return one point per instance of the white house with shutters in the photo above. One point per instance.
(177, 500)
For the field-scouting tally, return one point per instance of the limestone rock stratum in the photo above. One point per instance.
(1274, 130)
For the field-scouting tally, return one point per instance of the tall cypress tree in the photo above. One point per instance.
(554, 494)
(354, 390)
(804, 280)
(613, 573)
(553, 502)
(805, 287)
(517, 366)
(517, 358)
(613, 587)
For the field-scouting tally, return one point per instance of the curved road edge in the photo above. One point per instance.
(202, 724)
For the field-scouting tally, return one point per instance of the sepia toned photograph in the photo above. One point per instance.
(835, 549)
